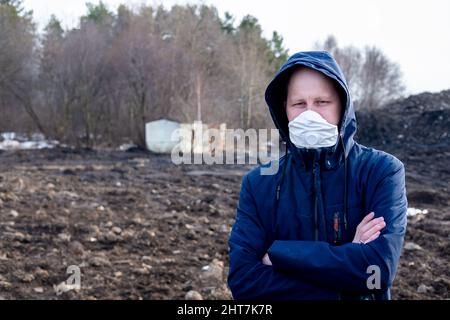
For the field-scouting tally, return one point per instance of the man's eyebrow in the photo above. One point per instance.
(323, 96)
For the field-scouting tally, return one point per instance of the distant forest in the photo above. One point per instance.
(99, 83)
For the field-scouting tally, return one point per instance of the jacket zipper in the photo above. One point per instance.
(316, 220)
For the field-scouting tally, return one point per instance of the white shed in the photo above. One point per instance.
(158, 135)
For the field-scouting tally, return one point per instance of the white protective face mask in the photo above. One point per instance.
(310, 130)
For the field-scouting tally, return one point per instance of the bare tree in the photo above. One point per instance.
(82, 72)
(51, 83)
(381, 79)
(373, 79)
(197, 30)
(18, 58)
(253, 70)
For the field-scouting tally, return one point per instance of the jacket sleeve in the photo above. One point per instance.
(346, 267)
(248, 277)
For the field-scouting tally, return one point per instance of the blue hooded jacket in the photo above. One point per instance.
(305, 216)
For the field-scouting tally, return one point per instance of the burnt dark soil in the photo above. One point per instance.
(140, 227)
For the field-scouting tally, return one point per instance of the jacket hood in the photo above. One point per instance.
(276, 91)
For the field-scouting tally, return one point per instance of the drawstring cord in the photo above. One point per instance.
(345, 184)
(282, 174)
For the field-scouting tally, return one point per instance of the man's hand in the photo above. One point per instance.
(369, 229)
(266, 260)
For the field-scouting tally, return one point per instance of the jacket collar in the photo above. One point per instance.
(328, 158)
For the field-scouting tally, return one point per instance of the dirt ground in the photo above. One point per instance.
(140, 227)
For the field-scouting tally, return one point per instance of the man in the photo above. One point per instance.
(330, 224)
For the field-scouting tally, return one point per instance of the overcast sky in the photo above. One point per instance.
(415, 34)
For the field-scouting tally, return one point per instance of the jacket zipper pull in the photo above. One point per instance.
(337, 228)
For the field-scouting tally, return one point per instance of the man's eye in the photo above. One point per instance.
(323, 102)
(299, 104)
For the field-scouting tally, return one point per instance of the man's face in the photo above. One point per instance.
(311, 90)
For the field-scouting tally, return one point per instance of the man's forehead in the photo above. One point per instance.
(302, 92)
(307, 81)
(308, 74)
